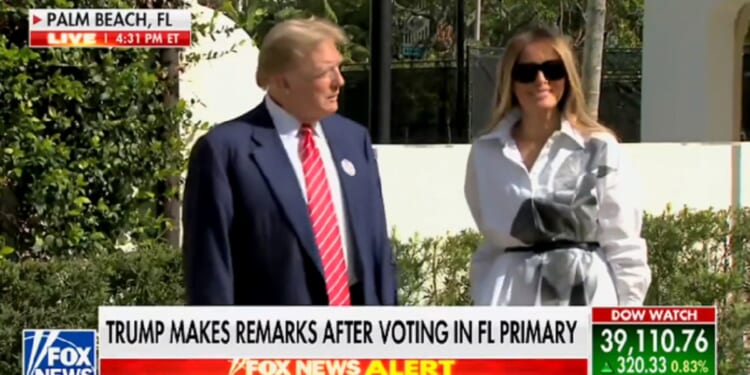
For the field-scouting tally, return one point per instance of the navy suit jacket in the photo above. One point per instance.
(248, 239)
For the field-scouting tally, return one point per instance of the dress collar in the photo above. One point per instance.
(502, 131)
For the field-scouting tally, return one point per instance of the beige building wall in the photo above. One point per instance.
(692, 64)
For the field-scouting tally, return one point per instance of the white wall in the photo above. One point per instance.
(222, 87)
(423, 186)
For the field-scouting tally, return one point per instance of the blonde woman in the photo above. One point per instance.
(551, 191)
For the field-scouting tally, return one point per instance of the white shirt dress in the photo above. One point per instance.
(567, 232)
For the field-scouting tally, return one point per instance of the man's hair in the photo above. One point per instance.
(290, 40)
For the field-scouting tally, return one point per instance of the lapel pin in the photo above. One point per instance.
(348, 167)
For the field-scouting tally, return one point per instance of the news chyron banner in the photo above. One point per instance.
(109, 28)
(343, 341)
(380, 340)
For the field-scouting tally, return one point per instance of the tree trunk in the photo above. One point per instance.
(171, 208)
(170, 58)
(593, 49)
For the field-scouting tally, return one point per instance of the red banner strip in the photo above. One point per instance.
(343, 367)
(109, 38)
(654, 314)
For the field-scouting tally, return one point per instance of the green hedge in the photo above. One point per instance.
(697, 259)
(87, 141)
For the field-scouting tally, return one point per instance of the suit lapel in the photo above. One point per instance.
(271, 158)
(352, 185)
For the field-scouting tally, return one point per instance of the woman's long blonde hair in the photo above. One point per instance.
(572, 103)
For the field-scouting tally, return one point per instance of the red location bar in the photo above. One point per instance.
(110, 39)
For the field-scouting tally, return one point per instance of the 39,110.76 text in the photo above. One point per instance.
(663, 340)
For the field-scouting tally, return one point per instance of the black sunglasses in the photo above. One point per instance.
(527, 72)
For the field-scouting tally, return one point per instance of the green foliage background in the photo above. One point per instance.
(499, 20)
(86, 142)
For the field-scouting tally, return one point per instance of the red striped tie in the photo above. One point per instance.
(324, 222)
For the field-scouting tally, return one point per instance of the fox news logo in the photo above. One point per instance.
(59, 352)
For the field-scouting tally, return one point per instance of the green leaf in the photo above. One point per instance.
(80, 201)
(6, 250)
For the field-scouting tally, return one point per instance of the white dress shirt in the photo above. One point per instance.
(288, 128)
(580, 189)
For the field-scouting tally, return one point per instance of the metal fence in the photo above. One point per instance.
(423, 101)
(424, 97)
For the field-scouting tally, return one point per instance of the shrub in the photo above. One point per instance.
(86, 142)
(697, 259)
(65, 293)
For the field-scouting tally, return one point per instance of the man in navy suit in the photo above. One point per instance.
(283, 205)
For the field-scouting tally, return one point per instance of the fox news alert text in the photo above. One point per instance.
(345, 341)
(109, 28)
